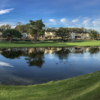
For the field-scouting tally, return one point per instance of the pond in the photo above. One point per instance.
(29, 66)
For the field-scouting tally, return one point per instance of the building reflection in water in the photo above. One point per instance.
(35, 56)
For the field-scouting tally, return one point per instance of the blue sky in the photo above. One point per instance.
(54, 13)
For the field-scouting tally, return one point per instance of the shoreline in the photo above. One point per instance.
(76, 88)
(51, 44)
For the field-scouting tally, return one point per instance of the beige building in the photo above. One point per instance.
(38, 37)
(50, 35)
(0, 34)
(30, 36)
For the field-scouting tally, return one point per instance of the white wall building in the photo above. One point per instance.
(79, 35)
(24, 35)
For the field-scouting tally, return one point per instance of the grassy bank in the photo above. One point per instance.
(49, 44)
(86, 87)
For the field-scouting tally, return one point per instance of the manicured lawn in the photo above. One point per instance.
(49, 44)
(86, 87)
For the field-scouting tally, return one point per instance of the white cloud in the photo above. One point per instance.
(90, 23)
(64, 20)
(86, 22)
(96, 23)
(5, 64)
(5, 11)
(52, 20)
(75, 20)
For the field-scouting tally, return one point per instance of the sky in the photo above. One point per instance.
(54, 13)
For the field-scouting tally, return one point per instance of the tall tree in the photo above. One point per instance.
(18, 23)
(53, 29)
(36, 28)
(8, 26)
(10, 33)
(19, 27)
(94, 34)
(62, 32)
(5, 27)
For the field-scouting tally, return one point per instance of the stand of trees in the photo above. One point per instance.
(76, 30)
(63, 33)
(5, 27)
(37, 28)
(10, 33)
(94, 34)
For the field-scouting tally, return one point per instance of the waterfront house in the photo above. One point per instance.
(79, 35)
(24, 35)
(50, 35)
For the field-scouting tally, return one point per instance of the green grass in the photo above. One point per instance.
(50, 44)
(86, 87)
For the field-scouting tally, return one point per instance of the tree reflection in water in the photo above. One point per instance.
(35, 58)
(94, 50)
(12, 54)
(62, 54)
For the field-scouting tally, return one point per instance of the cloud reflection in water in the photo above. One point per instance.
(5, 64)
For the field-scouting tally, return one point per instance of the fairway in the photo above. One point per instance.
(50, 44)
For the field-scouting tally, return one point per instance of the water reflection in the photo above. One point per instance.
(24, 66)
(94, 50)
(35, 56)
(62, 53)
(11, 54)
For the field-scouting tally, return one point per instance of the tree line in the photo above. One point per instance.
(37, 28)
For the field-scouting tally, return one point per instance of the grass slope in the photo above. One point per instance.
(86, 87)
(49, 44)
